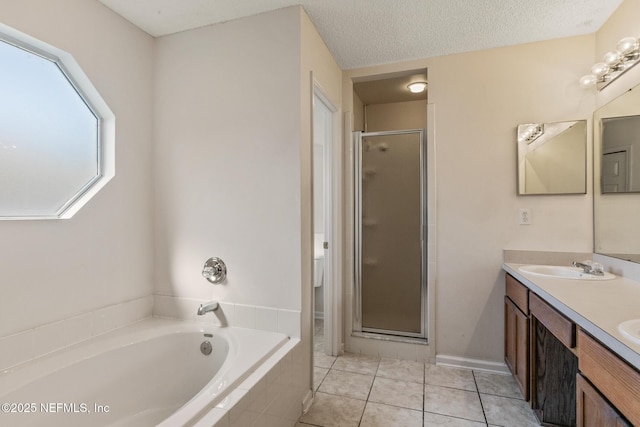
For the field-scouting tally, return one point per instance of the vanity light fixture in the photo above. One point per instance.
(530, 133)
(614, 63)
(417, 87)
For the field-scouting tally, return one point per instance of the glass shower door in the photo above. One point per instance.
(390, 233)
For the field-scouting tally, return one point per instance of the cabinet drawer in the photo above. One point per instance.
(561, 327)
(616, 380)
(518, 293)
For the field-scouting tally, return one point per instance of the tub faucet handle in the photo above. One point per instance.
(214, 270)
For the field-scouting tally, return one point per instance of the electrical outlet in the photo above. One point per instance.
(525, 217)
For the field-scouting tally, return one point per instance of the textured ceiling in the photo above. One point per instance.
(361, 33)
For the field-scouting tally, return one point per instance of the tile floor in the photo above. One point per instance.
(355, 390)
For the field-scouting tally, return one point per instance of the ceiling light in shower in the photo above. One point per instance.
(417, 87)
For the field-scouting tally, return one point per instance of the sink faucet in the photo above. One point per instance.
(594, 269)
(212, 306)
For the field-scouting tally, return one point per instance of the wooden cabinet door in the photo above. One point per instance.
(593, 410)
(516, 345)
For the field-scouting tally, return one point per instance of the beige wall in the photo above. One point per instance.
(233, 160)
(54, 269)
(396, 116)
(226, 159)
(479, 98)
(358, 113)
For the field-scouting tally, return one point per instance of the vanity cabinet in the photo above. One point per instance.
(593, 409)
(554, 364)
(540, 352)
(516, 333)
(569, 377)
(612, 379)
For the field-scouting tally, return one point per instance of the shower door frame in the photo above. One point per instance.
(358, 330)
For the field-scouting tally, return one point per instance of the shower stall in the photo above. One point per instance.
(390, 234)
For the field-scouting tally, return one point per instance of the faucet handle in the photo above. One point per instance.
(214, 270)
(596, 267)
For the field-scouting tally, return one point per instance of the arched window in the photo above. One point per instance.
(56, 132)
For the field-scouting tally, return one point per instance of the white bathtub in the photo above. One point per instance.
(150, 373)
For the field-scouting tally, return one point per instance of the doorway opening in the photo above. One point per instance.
(327, 244)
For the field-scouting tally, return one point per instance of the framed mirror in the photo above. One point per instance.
(616, 168)
(552, 158)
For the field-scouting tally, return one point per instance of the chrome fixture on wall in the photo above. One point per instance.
(614, 63)
(214, 270)
(210, 307)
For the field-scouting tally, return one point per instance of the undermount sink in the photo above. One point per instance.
(562, 272)
(631, 330)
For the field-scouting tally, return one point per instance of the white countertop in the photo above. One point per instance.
(598, 307)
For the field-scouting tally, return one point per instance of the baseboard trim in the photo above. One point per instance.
(307, 401)
(466, 363)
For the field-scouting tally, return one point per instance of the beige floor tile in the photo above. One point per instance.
(378, 415)
(397, 393)
(498, 384)
(321, 360)
(503, 411)
(357, 363)
(404, 370)
(334, 411)
(348, 384)
(318, 376)
(433, 420)
(446, 376)
(453, 402)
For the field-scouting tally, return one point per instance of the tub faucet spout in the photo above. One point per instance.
(212, 306)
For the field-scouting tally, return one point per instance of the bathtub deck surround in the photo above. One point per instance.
(229, 314)
(33, 343)
(356, 390)
(154, 373)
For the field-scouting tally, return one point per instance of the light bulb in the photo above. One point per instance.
(600, 69)
(588, 80)
(417, 87)
(612, 58)
(627, 45)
